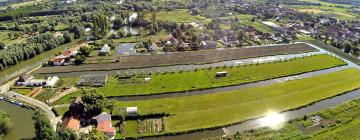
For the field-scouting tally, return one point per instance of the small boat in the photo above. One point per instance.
(18, 103)
(2, 98)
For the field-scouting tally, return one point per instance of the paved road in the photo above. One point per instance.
(35, 103)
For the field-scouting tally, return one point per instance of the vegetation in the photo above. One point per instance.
(205, 78)
(5, 124)
(43, 127)
(206, 111)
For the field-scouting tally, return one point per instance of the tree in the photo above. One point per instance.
(121, 33)
(2, 46)
(5, 124)
(86, 51)
(118, 22)
(67, 135)
(94, 135)
(347, 46)
(67, 37)
(79, 59)
(94, 102)
(43, 128)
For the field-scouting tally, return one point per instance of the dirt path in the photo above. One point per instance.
(59, 95)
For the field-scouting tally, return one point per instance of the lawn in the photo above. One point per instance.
(206, 111)
(178, 16)
(61, 27)
(131, 128)
(26, 65)
(205, 78)
(23, 91)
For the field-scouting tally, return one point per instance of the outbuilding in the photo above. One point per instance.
(221, 74)
(131, 111)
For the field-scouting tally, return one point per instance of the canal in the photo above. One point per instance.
(21, 119)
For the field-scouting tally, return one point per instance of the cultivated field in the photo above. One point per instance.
(202, 79)
(196, 57)
(206, 111)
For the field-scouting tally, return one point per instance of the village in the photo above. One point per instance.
(136, 69)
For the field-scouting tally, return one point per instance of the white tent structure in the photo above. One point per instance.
(52, 81)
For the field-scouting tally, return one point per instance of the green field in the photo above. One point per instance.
(23, 91)
(4, 38)
(202, 79)
(178, 16)
(336, 12)
(206, 111)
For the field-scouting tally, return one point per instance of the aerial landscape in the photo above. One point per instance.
(179, 69)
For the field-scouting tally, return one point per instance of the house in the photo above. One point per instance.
(51, 83)
(208, 44)
(229, 39)
(104, 125)
(30, 81)
(305, 32)
(152, 47)
(131, 111)
(181, 44)
(23, 79)
(35, 82)
(72, 52)
(58, 61)
(104, 50)
(71, 123)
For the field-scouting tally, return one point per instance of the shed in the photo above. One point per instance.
(132, 111)
(52, 81)
(105, 50)
(221, 74)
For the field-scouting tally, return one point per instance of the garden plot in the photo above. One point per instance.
(93, 80)
(184, 58)
(154, 125)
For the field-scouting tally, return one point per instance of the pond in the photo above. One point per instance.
(21, 119)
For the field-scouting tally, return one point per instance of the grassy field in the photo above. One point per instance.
(131, 127)
(200, 79)
(336, 12)
(205, 111)
(178, 16)
(23, 91)
(347, 117)
(5, 38)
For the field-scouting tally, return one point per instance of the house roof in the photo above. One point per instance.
(103, 117)
(106, 126)
(71, 123)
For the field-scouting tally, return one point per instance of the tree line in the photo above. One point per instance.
(13, 54)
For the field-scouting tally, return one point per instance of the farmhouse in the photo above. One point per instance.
(104, 125)
(30, 81)
(71, 123)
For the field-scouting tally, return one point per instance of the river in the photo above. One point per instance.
(21, 119)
